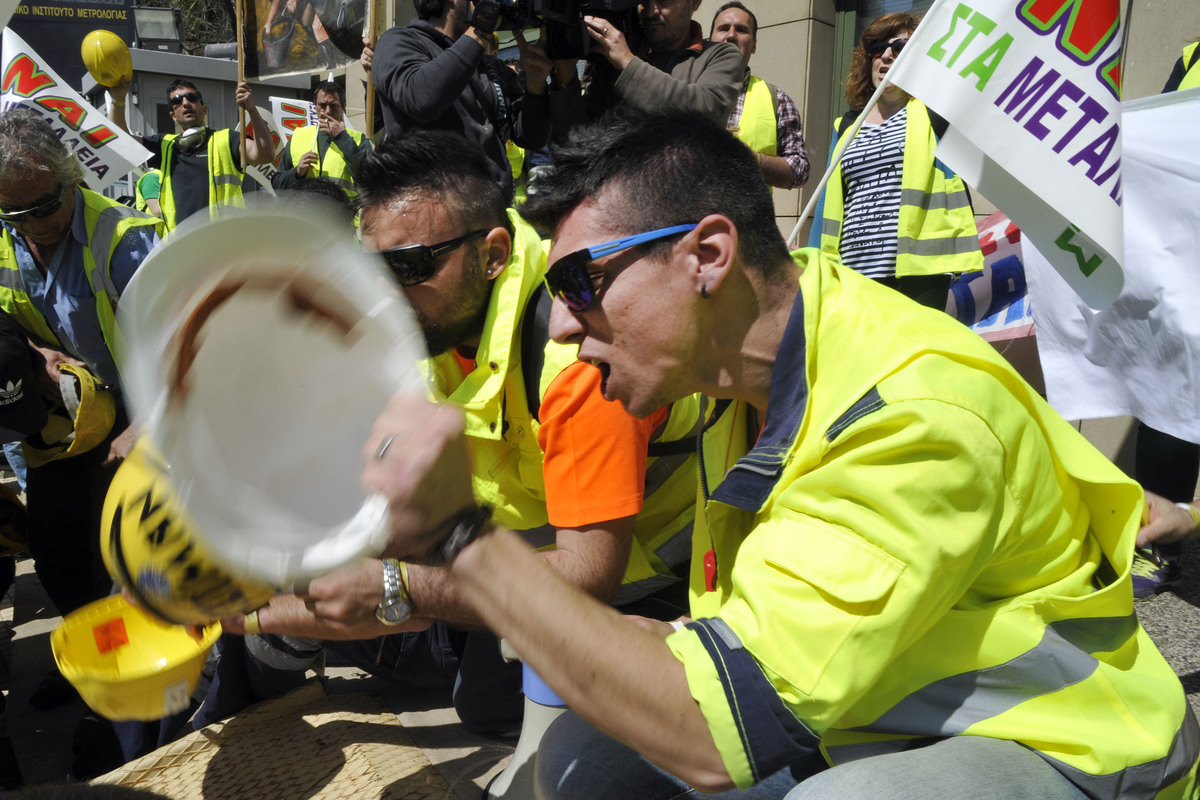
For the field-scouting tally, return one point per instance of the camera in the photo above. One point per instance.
(566, 32)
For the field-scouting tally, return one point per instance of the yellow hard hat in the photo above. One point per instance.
(106, 57)
(152, 548)
(125, 663)
(84, 420)
(14, 523)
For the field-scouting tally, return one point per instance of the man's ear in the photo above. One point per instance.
(498, 249)
(714, 245)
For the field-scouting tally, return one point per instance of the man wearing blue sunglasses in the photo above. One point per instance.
(551, 457)
(910, 577)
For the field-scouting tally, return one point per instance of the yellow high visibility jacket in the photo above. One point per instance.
(502, 432)
(917, 547)
(224, 178)
(106, 222)
(936, 229)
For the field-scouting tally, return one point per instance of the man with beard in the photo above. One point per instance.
(614, 495)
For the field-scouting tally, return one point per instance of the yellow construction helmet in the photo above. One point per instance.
(125, 663)
(106, 57)
(14, 524)
(83, 421)
(152, 548)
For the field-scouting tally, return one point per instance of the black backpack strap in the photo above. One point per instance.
(535, 333)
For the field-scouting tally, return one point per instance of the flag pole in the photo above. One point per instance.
(241, 76)
(793, 242)
(372, 11)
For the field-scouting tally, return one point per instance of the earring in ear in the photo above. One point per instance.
(704, 292)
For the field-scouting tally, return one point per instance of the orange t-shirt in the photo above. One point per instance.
(595, 463)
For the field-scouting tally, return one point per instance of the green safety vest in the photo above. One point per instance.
(224, 178)
(516, 164)
(106, 222)
(936, 228)
(758, 126)
(502, 432)
(332, 163)
(1191, 78)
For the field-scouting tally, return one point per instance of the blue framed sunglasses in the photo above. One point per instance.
(570, 279)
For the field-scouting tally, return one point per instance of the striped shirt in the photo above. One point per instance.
(871, 173)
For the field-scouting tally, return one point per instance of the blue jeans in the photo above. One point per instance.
(962, 767)
(577, 762)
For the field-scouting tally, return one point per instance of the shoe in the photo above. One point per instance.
(52, 692)
(1153, 572)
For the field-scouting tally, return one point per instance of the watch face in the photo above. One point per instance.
(393, 611)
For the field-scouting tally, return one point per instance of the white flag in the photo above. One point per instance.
(291, 114)
(1031, 89)
(105, 151)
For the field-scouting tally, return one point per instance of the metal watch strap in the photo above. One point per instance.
(392, 586)
(464, 529)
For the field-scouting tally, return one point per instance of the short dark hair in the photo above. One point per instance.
(671, 168)
(441, 163)
(185, 84)
(319, 197)
(429, 9)
(726, 7)
(330, 87)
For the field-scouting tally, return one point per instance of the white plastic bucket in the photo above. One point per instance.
(259, 350)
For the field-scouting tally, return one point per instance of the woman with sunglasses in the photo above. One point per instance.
(891, 210)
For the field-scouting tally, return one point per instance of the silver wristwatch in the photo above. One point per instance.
(396, 606)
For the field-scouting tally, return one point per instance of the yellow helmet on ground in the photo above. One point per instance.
(84, 420)
(152, 548)
(106, 57)
(14, 524)
(125, 663)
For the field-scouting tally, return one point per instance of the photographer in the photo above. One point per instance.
(441, 72)
(674, 68)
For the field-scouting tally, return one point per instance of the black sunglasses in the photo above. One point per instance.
(417, 263)
(40, 210)
(878, 47)
(570, 279)
(191, 97)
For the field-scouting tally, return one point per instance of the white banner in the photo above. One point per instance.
(105, 151)
(1031, 91)
(262, 173)
(1141, 356)
(290, 114)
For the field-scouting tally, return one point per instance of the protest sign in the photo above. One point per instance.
(293, 37)
(27, 81)
(1031, 89)
(1141, 355)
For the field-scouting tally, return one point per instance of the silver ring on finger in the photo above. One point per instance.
(383, 448)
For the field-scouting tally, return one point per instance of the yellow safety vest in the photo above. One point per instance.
(758, 126)
(882, 616)
(936, 228)
(224, 178)
(502, 432)
(333, 164)
(106, 222)
(516, 163)
(1191, 78)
